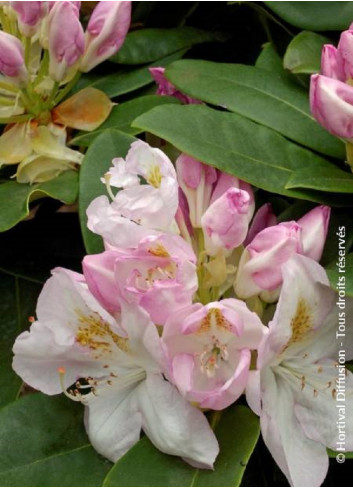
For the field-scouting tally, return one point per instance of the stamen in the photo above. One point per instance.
(107, 178)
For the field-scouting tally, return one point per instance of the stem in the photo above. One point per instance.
(43, 70)
(50, 102)
(27, 43)
(67, 89)
(4, 21)
(16, 118)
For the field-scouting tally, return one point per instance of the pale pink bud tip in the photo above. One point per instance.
(314, 231)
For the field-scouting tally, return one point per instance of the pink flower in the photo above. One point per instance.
(66, 45)
(29, 15)
(196, 180)
(314, 227)
(11, 57)
(159, 275)
(167, 88)
(208, 349)
(260, 264)
(331, 103)
(332, 63)
(225, 222)
(106, 32)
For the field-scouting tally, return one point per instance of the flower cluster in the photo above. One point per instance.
(40, 62)
(177, 317)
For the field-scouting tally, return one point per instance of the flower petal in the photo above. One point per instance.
(85, 110)
(173, 425)
(15, 144)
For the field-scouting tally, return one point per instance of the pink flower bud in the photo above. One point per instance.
(314, 231)
(225, 182)
(29, 15)
(263, 218)
(331, 103)
(66, 45)
(11, 57)
(196, 181)
(260, 264)
(208, 349)
(225, 222)
(345, 50)
(106, 32)
(332, 63)
(167, 88)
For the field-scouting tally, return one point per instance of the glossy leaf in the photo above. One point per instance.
(98, 159)
(262, 96)
(314, 16)
(15, 197)
(330, 180)
(269, 59)
(122, 116)
(303, 54)
(18, 300)
(238, 146)
(334, 271)
(129, 79)
(148, 45)
(237, 433)
(43, 443)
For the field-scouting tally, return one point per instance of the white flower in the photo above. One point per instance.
(115, 370)
(296, 386)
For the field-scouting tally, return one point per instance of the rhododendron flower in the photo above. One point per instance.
(12, 58)
(159, 275)
(114, 368)
(208, 349)
(106, 32)
(295, 387)
(150, 205)
(29, 15)
(167, 88)
(259, 270)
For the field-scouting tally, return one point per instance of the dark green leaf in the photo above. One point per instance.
(303, 54)
(148, 45)
(18, 300)
(97, 161)
(237, 433)
(269, 59)
(122, 116)
(130, 79)
(314, 16)
(330, 180)
(238, 146)
(333, 454)
(15, 197)
(342, 269)
(43, 443)
(262, 96)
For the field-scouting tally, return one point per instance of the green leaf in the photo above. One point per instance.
(269, 59)
(237, 433)
(130, 79)
(260, 95)
(303, 54)
(15, 197)
(43, 443)
(122, 116)
(18, 300)
(148, 45)
(97, 161)
(238, 146)
(344, 269)
(314, 16)
(330, 180)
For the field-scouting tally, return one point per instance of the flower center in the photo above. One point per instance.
(96, 334)
(212, 356)
(146, 281)
(154, 176)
